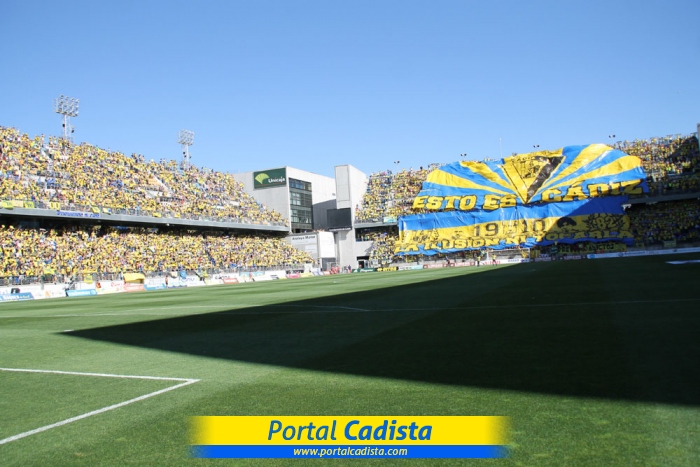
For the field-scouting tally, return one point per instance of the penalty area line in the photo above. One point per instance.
(183, 382)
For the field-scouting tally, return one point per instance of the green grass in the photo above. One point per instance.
(594, 361)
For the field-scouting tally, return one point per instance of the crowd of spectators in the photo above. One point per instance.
(653, 225)
(383, 246)
(671, 221)
(672, 163)
(61, 175)
(390, 195)
(85, 177)
(69, 250)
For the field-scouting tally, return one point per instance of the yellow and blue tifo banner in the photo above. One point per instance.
(589, 220)
(289, 437)
(567, 174)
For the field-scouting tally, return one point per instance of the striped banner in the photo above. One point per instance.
(568, 174)
(570, 195)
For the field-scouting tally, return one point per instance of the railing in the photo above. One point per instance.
(72, 207)
(114, 276)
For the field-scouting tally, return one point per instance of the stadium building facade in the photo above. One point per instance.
(318, 208)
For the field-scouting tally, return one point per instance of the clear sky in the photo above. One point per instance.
(318, 83)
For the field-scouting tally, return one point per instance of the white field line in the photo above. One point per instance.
(478, 307)
(144, 312)
(547, 305)
(320, 306)
(184, 382)
(103, 375)
(345, 309)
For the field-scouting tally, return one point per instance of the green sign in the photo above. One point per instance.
(270, 178)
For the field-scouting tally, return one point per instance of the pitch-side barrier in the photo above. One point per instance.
(83, 289)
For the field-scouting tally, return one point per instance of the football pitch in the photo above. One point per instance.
(596, 362)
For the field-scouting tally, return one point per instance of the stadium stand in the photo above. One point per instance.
(672, 164)
(383, 245)
(78, 250)
(673, 221)
(390, 195)
(90, 179)
(85, 178)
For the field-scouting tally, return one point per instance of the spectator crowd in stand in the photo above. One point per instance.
(672, 165)
(383, 246)
(70, 250)
(390, 195)
(671, 221)
(59, 175)
(87, 178)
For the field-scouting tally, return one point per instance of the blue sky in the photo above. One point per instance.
(315, 84)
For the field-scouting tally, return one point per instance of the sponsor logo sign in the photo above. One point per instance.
(270, 178)
(81, 293)
(90, 215)
(133, 287)
(16, 297)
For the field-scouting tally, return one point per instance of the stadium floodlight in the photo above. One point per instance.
(536, 146)
(186, 139)
(68, 107)
(463, 155)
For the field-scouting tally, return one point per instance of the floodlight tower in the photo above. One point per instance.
(186, 139)
(68, 107)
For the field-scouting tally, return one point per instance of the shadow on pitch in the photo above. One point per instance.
(496, 330)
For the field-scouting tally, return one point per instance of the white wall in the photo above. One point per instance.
(343, 191)
(326, 245)
(362, 248)
(317, 244)
(305, 242)
(351, 185)
(275, 198)
(322, 194)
